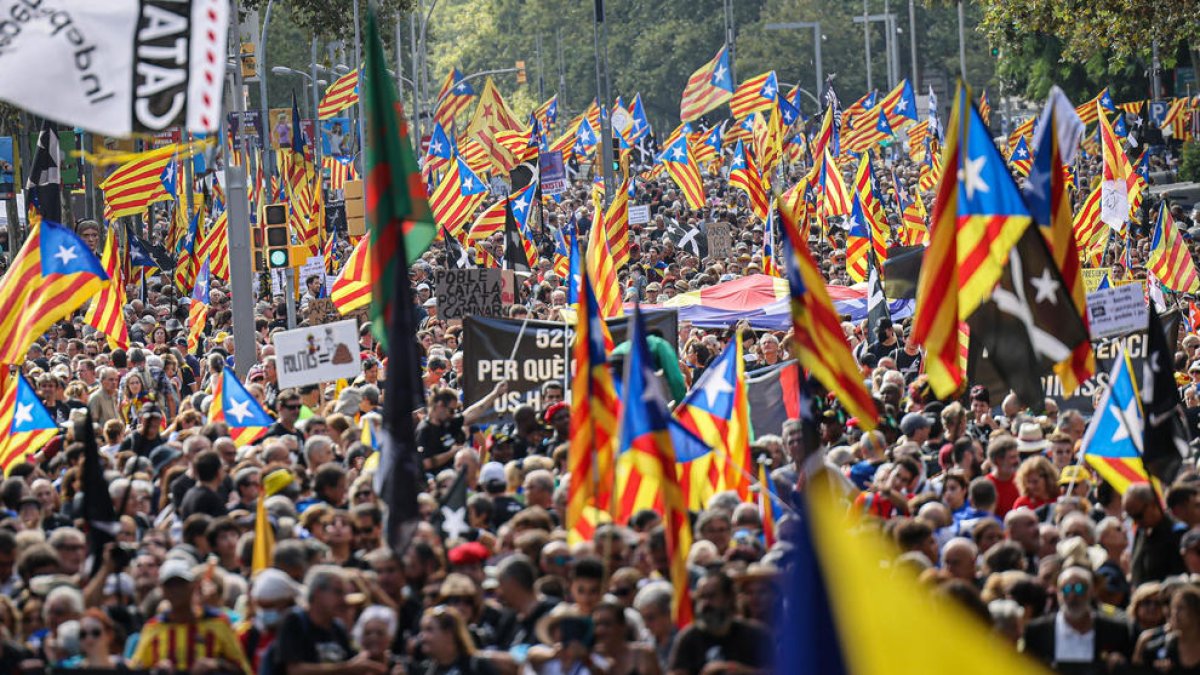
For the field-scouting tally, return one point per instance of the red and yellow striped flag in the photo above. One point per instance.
(684, 171)
(455, 199)
(755, 94)
(744, 175)
(616, 225)
(1091, 236)
(599, 263)
(138, 183)
(1169, 258)
(214, 246)
(106, 313)
(340, 95)
(352, 287)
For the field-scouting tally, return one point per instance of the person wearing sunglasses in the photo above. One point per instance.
(1077, 638)
(96, 640)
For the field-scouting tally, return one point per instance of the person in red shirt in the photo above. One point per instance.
(1003, 456)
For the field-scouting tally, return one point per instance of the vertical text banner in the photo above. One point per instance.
(116, 67)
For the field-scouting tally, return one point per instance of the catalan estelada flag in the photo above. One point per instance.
(457, 196)
(51, 276)
(744, 175)
(600, 266)
(985, 108)
(978, 217)
(819, 342)
(755, 94)
(491, 219)
(712, 430)
(708, 87)
(645, 464)
(214, 246)
(858, 242)
(832, 197)
(594, 415)
(1169, 258)
(1089, 112)
(340, 95)
(770, 265)
(684, 171)
(453, 97)
(198, 309)
(25, 424)
(233, 405)
(107, 311)
(1090, 234)
(1112, 444)
(616, 225)
(138, 183)
(900, 104)
(352, 287)
(867, 135)
(1020, 159)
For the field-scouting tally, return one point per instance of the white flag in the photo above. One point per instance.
(116, 67)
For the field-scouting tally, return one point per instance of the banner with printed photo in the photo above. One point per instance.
(279, 121)
(7, 168)
(116, 67)
(337, 137)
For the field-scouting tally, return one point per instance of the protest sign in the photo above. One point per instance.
(1116, 311)
(319, 311)
(527, 354)
(337, 138)
(280, 120)
(473, 292)
(245, 125)
(116, 67)
(720, 240)
(1092, 276)
(639, 214)
(553, 173)
(317, 354)
(313, 267)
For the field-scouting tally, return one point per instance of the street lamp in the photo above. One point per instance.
(817, 38)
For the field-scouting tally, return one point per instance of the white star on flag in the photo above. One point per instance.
(974, 178)
(1021, 153)
(719, 73)
(239, 409)
(66, 254)
(454, 522)
(714, 387)
(1047, 287)
(435, 148)
(24, 414)
(678, 154)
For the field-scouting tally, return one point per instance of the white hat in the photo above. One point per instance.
(271, 585)
(1031, 439)
(492, 471)
(175, 568)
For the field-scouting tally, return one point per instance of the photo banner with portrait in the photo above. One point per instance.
(337, 137)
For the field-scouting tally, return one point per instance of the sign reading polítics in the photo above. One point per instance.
(318, 354)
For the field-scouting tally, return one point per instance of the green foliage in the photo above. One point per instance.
(655, 45)
(1189, 164)
(331, 19)
(1113, 31)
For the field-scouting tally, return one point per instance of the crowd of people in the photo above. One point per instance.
(986, 500)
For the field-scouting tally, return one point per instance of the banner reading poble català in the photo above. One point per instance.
(116, 67)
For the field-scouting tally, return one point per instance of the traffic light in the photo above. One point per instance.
(256, 248)
(249, 66)
(278, 238)
(521, 78)
(615, 143)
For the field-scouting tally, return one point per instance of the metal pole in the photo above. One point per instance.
(962, 43)
(241, 301)
(817, 49)
(357, 63)
(416, 116)
(730, 40)
(399, 60)
(867, 41)
(562, 74)
(541, 70)
(316, 104)
(912, 44)
(1155, 72)
(605, 133)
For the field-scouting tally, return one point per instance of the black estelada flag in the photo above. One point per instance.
(456, 257)
(44, 187)
(877, 307)
(514, 247)
(1165, 436)
(451, 516)
(1029, 324)
(102, 521)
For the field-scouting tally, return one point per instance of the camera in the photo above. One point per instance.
(121, 555)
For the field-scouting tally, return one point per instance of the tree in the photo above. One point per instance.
(1113, 31)
(332, 19)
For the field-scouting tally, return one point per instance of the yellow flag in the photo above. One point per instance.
(264, 536)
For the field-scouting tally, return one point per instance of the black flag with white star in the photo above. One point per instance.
(514, 244)
(877, 307)
(1165, 436)
(1029, 324)
(44, 187)
(451, 516)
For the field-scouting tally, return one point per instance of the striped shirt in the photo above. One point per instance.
(210, 636)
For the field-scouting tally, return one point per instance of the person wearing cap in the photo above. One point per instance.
(147, 436)
(182, 639)
(272, 596)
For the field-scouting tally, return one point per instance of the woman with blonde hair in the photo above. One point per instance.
(447, 645)
(1037, 481)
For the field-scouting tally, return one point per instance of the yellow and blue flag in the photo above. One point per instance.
(25, 424)
(233, 405)
(1112, 444)
(52, 274)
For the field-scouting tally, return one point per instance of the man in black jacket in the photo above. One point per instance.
(1077, 639)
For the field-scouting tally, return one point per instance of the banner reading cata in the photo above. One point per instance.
(116, 67)
(541, 351)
